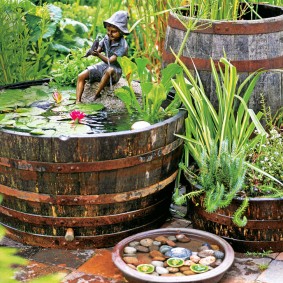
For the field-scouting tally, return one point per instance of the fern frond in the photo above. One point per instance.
(209, 204)
(237, 220)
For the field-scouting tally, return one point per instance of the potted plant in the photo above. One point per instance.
(102, 187)
(247, 32)
(218, 143)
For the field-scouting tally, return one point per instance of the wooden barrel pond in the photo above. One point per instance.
(264, 229)
(249, 45)
(102, 187)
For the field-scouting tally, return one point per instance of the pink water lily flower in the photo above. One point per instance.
(77, 115)
(57, 96)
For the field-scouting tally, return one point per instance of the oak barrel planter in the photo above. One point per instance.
(103, 187)
(264, 229)
(248, 44)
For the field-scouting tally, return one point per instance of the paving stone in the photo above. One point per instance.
(274, 273)
(63, 258)
(274, 255)
(37, 269)
(234, 280)
(177, 223)
(101, 264)
(28, 251)
(280, 257)
(11, 243)
(81, 277)
(246, 269)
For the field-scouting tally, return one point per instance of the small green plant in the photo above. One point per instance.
(217, 139)
(221, 177)
(231, 120)
(154, 90)
(260, 254)
(226, 10)
(268, 156)
(262, 266)
(23, 49)
(65, 71)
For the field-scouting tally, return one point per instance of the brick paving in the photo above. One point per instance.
(96, 266)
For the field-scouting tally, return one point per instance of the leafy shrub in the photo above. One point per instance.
(24, 51)
(65, 71)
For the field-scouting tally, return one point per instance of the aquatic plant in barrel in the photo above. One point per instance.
(248, 33)
(74, 189)
(236, 188)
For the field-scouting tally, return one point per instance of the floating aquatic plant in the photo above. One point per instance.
(57, 96)
(32, 111)
(77, 116)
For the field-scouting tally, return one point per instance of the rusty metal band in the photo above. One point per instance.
(244, 246)
(95, 221)
(251, 224)
(95, 166)
(87, 199)
(241, 65)
(231, 27)
(96, 241)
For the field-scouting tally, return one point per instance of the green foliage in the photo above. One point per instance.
(227, 10)
(19, 110)
(65, 71)
(32, 36)
(260, 254)
(148, 21)
(23, 50)
(265, 172)
(239, 212)
(232, 121)
(263, 266)
(154, 92)
(221, 175)
(217, 138)
(268, 156)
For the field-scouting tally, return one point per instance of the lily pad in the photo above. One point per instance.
(32, 111)
(71, 129)
(145, 268)
(40, 121)
(7, 119)
(90, 108)
(199, 268)
(22, 127)
(59, 117)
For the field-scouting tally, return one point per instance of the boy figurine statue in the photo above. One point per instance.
(113, 45)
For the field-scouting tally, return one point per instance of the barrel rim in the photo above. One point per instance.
(169, 120)
(239, 21)
(257, 26)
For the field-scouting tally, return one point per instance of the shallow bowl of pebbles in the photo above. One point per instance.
(173, 255)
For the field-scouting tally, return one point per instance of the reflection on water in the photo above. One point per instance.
(107, 121)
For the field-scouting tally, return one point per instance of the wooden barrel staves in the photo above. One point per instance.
(249, 45)
(264, 229)
(89, 191)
